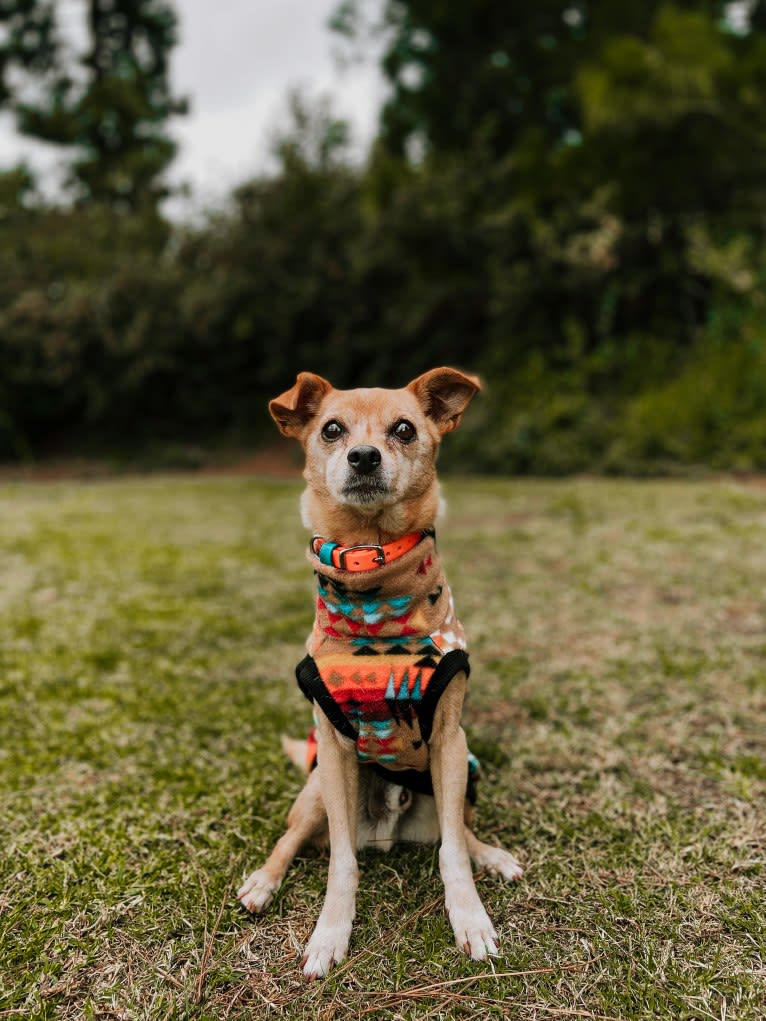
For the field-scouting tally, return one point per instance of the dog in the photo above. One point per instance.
(387, 667)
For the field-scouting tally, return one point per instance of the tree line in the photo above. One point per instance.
(567, 197)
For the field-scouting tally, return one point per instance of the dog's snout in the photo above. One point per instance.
(364, 459)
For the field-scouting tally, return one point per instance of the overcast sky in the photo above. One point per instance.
(236, 61)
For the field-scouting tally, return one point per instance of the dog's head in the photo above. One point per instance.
(370, 453)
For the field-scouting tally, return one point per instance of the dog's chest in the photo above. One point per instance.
(379, 643)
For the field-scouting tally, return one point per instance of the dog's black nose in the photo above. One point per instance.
(364, 460)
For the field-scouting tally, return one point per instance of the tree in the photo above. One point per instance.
(604, 135)
(490, 70)
(28, 41)
(115, 114)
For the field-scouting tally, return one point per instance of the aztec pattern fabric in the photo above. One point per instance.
(415, 781)
(384, 647)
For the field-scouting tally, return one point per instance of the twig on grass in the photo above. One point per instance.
(486, 1001)
(422, 992)
(469, 979)
(209, 940)
(169, 978)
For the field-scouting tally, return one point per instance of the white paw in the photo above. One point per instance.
(328, 946)
(474, 933)
(501, 863)
(257, 891)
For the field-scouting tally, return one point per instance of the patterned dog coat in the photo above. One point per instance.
(385, 645)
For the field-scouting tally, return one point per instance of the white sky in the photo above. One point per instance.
(236, 61)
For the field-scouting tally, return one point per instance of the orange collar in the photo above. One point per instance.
(364, 558)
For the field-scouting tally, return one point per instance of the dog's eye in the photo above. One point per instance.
(404, 799)
(404, 431)
(332, 431)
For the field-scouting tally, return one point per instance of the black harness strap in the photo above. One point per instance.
(314, 688)
(451, 664)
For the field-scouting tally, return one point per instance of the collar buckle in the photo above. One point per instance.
(379, 558)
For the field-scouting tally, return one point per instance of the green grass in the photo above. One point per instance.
(618, 702)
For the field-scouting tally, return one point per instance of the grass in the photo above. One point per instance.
(618, 703)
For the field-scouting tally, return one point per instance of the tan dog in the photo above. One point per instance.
(372, 489)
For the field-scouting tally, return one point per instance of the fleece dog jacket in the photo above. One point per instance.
(385, 645)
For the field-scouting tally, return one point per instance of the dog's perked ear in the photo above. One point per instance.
(444, 394)
(294, 409)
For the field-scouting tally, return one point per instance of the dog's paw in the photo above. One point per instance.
(474, 933)
(257, 891)
(328, 946)
(499, 862)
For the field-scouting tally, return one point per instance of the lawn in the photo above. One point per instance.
(617, 703)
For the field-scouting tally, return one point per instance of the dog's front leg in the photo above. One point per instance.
(339, 779)
(306, 818)
(474, 932)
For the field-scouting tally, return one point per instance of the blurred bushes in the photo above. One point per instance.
(117, 332)
(713, 413)
(599, 258)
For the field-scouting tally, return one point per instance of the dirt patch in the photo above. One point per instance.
(275, 461)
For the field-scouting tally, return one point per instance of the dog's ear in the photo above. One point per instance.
(294, 409)
(444, 394)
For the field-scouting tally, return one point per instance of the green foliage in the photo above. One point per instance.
(629, 122)
(673, 120)
(82, 329)
(268, 281)
(28, 41)
(17, 187)
(498, 72)
(113, 109)
(566, 199)
(713, 414)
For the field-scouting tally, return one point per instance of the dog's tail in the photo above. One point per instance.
(301, 753)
